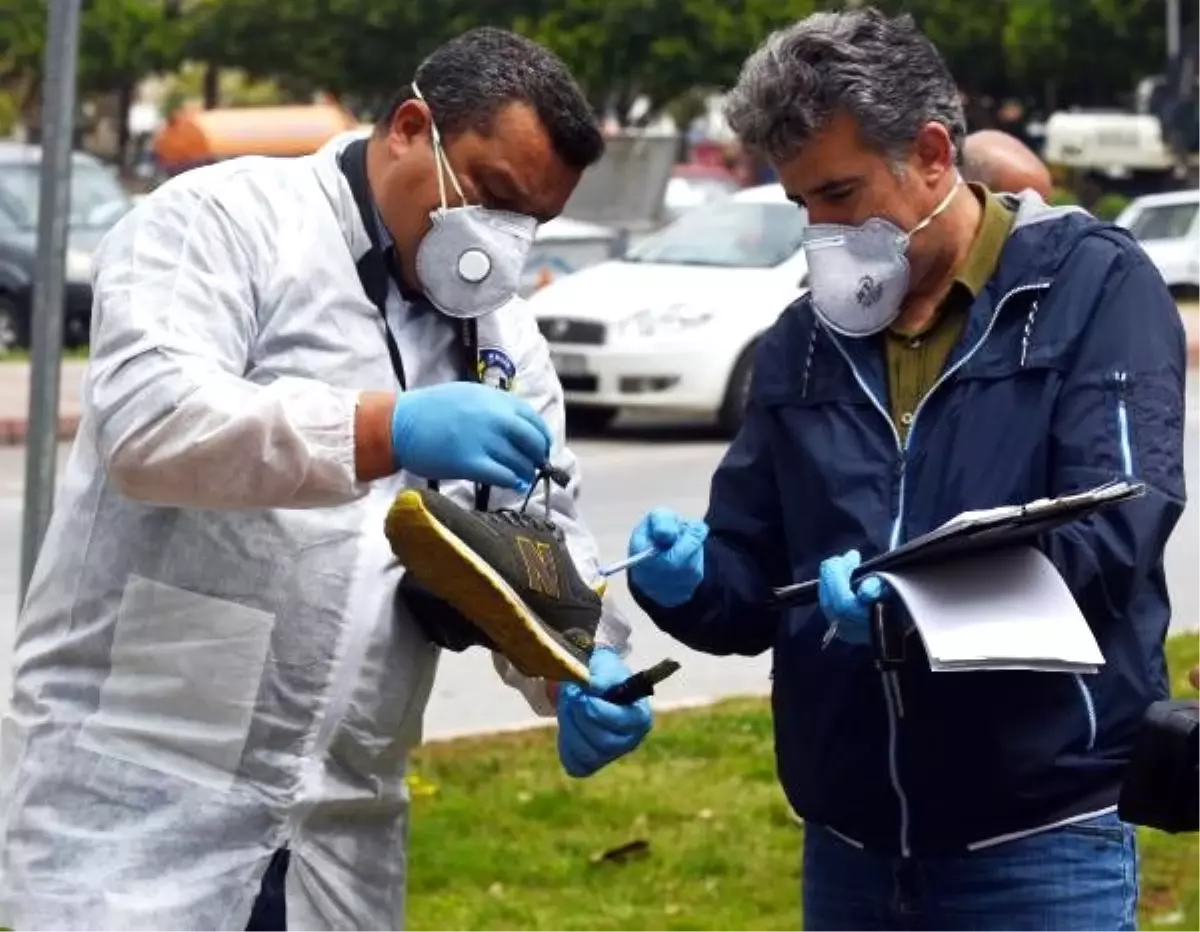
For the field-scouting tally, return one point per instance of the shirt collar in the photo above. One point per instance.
(989, 241)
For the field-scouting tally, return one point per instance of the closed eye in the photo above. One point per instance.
(837, 196)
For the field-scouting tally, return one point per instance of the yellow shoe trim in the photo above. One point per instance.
(452, 571)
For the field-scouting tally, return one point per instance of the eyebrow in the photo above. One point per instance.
(511, 192)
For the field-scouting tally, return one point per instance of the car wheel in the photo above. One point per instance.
(590, 419)
(737, 393)
(12, 331)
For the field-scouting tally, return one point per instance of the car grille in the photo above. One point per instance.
(579, 332)
(583, 384)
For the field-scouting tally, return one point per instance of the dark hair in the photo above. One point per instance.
(469, 79)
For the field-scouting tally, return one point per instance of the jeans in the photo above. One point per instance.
(269, 913)
(1077, 877)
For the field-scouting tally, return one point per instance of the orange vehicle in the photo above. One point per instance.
(193, 137)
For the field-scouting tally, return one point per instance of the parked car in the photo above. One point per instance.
(671, 325)
(563, 246)
(1168, 228)
(693, 185)
(97, 201)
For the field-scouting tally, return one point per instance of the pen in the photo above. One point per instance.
(625, 564)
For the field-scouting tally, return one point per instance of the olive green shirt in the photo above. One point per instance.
(915, 360)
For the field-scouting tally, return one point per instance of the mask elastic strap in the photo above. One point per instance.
(440, 160)
(937, 211)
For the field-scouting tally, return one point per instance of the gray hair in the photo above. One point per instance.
(881, 71)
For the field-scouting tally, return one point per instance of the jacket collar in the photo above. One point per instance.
(325, 165)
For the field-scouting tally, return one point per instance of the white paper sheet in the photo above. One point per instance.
(1003, 610)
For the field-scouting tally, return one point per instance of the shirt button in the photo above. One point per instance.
(906, 418)
(914, 343)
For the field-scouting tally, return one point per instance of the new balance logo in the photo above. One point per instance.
(540, 567)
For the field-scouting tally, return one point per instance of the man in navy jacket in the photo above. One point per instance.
(958, 350)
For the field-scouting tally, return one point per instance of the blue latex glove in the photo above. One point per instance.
(671, 576)
(592, 732)
(463, 430)
(848, 611)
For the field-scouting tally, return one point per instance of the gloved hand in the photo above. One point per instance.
(463, 430)
(671, 576)
(592, 732)
(848, 611)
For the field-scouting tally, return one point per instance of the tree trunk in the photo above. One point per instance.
(29, 105)
(212, 86)
(1051, 94)
(124, 103)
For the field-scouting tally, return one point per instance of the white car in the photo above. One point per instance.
(563, 246)
(672, 324)
(1168, 228)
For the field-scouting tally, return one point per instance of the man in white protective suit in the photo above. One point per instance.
(213, 673)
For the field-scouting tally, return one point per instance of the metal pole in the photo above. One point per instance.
(1173, 27)
(58, 124)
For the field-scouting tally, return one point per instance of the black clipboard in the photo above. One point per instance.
(973, 531)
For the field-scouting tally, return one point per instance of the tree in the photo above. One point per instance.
(622, 49)
(358, 50)
(1086, 52)
(22, 38)
(120, 42)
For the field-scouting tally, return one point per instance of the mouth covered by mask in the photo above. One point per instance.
(859, 275)
(469, 264)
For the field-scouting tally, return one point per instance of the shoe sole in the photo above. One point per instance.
(421, 543)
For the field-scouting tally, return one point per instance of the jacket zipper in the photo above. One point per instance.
(1122, 381)
(1089, 709)
(890, 681)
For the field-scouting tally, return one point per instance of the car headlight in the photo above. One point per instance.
(79, 267)
(674, 318)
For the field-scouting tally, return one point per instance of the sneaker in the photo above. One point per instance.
(508, 572)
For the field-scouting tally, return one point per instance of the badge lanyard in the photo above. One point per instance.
(377, 267)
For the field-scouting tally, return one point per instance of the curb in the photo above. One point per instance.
(533, 723)
(15, 431)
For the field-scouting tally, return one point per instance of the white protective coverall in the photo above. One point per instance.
(211, 663)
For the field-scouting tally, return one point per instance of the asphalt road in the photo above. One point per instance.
(625, 473)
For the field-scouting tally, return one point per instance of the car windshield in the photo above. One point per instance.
(726, 234)
(97, 199)
(1171, 221)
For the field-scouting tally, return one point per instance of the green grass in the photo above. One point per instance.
(501, 839)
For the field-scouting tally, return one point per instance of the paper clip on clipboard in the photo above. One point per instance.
(973, 531)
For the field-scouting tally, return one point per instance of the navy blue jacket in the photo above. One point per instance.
(1069, 373)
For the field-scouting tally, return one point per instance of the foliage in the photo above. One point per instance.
(620, 49)
(237, 89)
(120, 41)
(358, 50)
(1079, 51)
(1093, 50)
(1063, 197)
(1109, 206)
(9, 112)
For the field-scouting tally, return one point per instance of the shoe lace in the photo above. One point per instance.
(521, 517)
